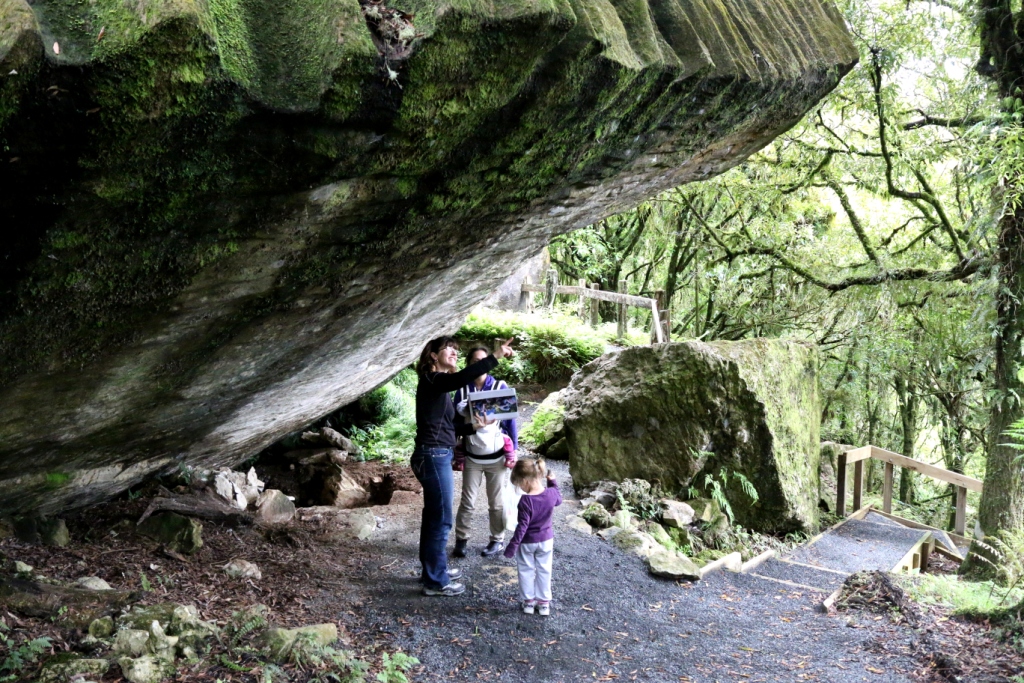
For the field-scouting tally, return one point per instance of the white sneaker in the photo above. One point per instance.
(543, 610)
(527, 609)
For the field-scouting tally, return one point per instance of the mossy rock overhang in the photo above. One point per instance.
(678, 413)
(224, 219)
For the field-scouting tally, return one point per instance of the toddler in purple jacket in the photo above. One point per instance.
(532, 543)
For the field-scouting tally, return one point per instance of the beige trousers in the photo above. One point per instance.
(495, 476)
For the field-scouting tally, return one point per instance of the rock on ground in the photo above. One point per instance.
(676, 413)
(672, 565)
(280, 640)
(274, 507)
(256, 225)
(180, 534)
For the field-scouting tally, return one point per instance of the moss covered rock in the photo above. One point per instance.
(219, 213)
(676, 413)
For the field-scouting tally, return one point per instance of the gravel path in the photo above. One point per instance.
(611, 620)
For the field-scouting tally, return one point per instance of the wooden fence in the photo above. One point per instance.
(857, 456)
(594, 294)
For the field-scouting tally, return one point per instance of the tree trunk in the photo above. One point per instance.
(908, 417)
(1002, 500)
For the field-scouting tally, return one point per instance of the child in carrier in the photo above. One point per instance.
(532, 543)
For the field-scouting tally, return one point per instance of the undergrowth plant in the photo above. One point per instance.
(550, 346)
(19, 655)
(715, 488)
(639, 497)
(394, 667)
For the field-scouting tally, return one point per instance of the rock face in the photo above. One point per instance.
(675, 413)
(223, 223)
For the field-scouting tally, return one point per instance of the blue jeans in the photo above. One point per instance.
(433, 468)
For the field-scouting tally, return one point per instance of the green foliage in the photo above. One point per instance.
(19, 655)
(550, 347)
(144, 580)
(395, 667)
(245, 622)
(534, 432)
(716, 489)
(387, 427)
(959, 595)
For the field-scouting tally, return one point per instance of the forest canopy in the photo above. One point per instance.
(876, 228)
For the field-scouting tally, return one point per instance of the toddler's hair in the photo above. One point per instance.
(528, 470)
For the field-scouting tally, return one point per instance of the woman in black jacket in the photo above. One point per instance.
(432, 457)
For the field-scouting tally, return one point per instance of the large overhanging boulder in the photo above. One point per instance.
(676, 413)
(223, 220)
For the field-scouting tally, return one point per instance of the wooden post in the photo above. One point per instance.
(595, 313)
(550, 282)
(858, 484)
(926, 553)
(667, 317)
(960, 520)
(525, 297)
(841, 485)
(657, 336)
(581, 305)
(620, 332)
(887, 489)
(659, 296)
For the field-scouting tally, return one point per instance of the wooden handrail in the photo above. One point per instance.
(614, 297)
(857, 456)
(601, 295)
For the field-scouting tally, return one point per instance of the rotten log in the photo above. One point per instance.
(203, 505)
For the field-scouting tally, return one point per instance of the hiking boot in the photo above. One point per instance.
(543, 610)
(451, 589)
(528, 608)
(460, 547)
(493, 548)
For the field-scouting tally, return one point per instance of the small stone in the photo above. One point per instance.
(180, 534)
(160, 644)
(131, 642)
(636, 542)
(146, 669)
(341, 490)
(659, 534)
(605, 498)
(672, 565)
(93, 583)
(102, 627)
(274, 507)
(41, 530)
(242, 569)
(364, 524)
(90, 643)
(280, 640)
(22, 568)
(676, 514)
(581, 525)
(610, 533)
(71, 667)
(624, 520)
(597, 515)
(681, 537)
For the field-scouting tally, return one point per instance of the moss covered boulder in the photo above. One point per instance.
(676, 413)
(225, 220)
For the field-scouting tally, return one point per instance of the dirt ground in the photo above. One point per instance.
(611, 620)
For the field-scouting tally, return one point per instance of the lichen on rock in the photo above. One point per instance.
(678, 413)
